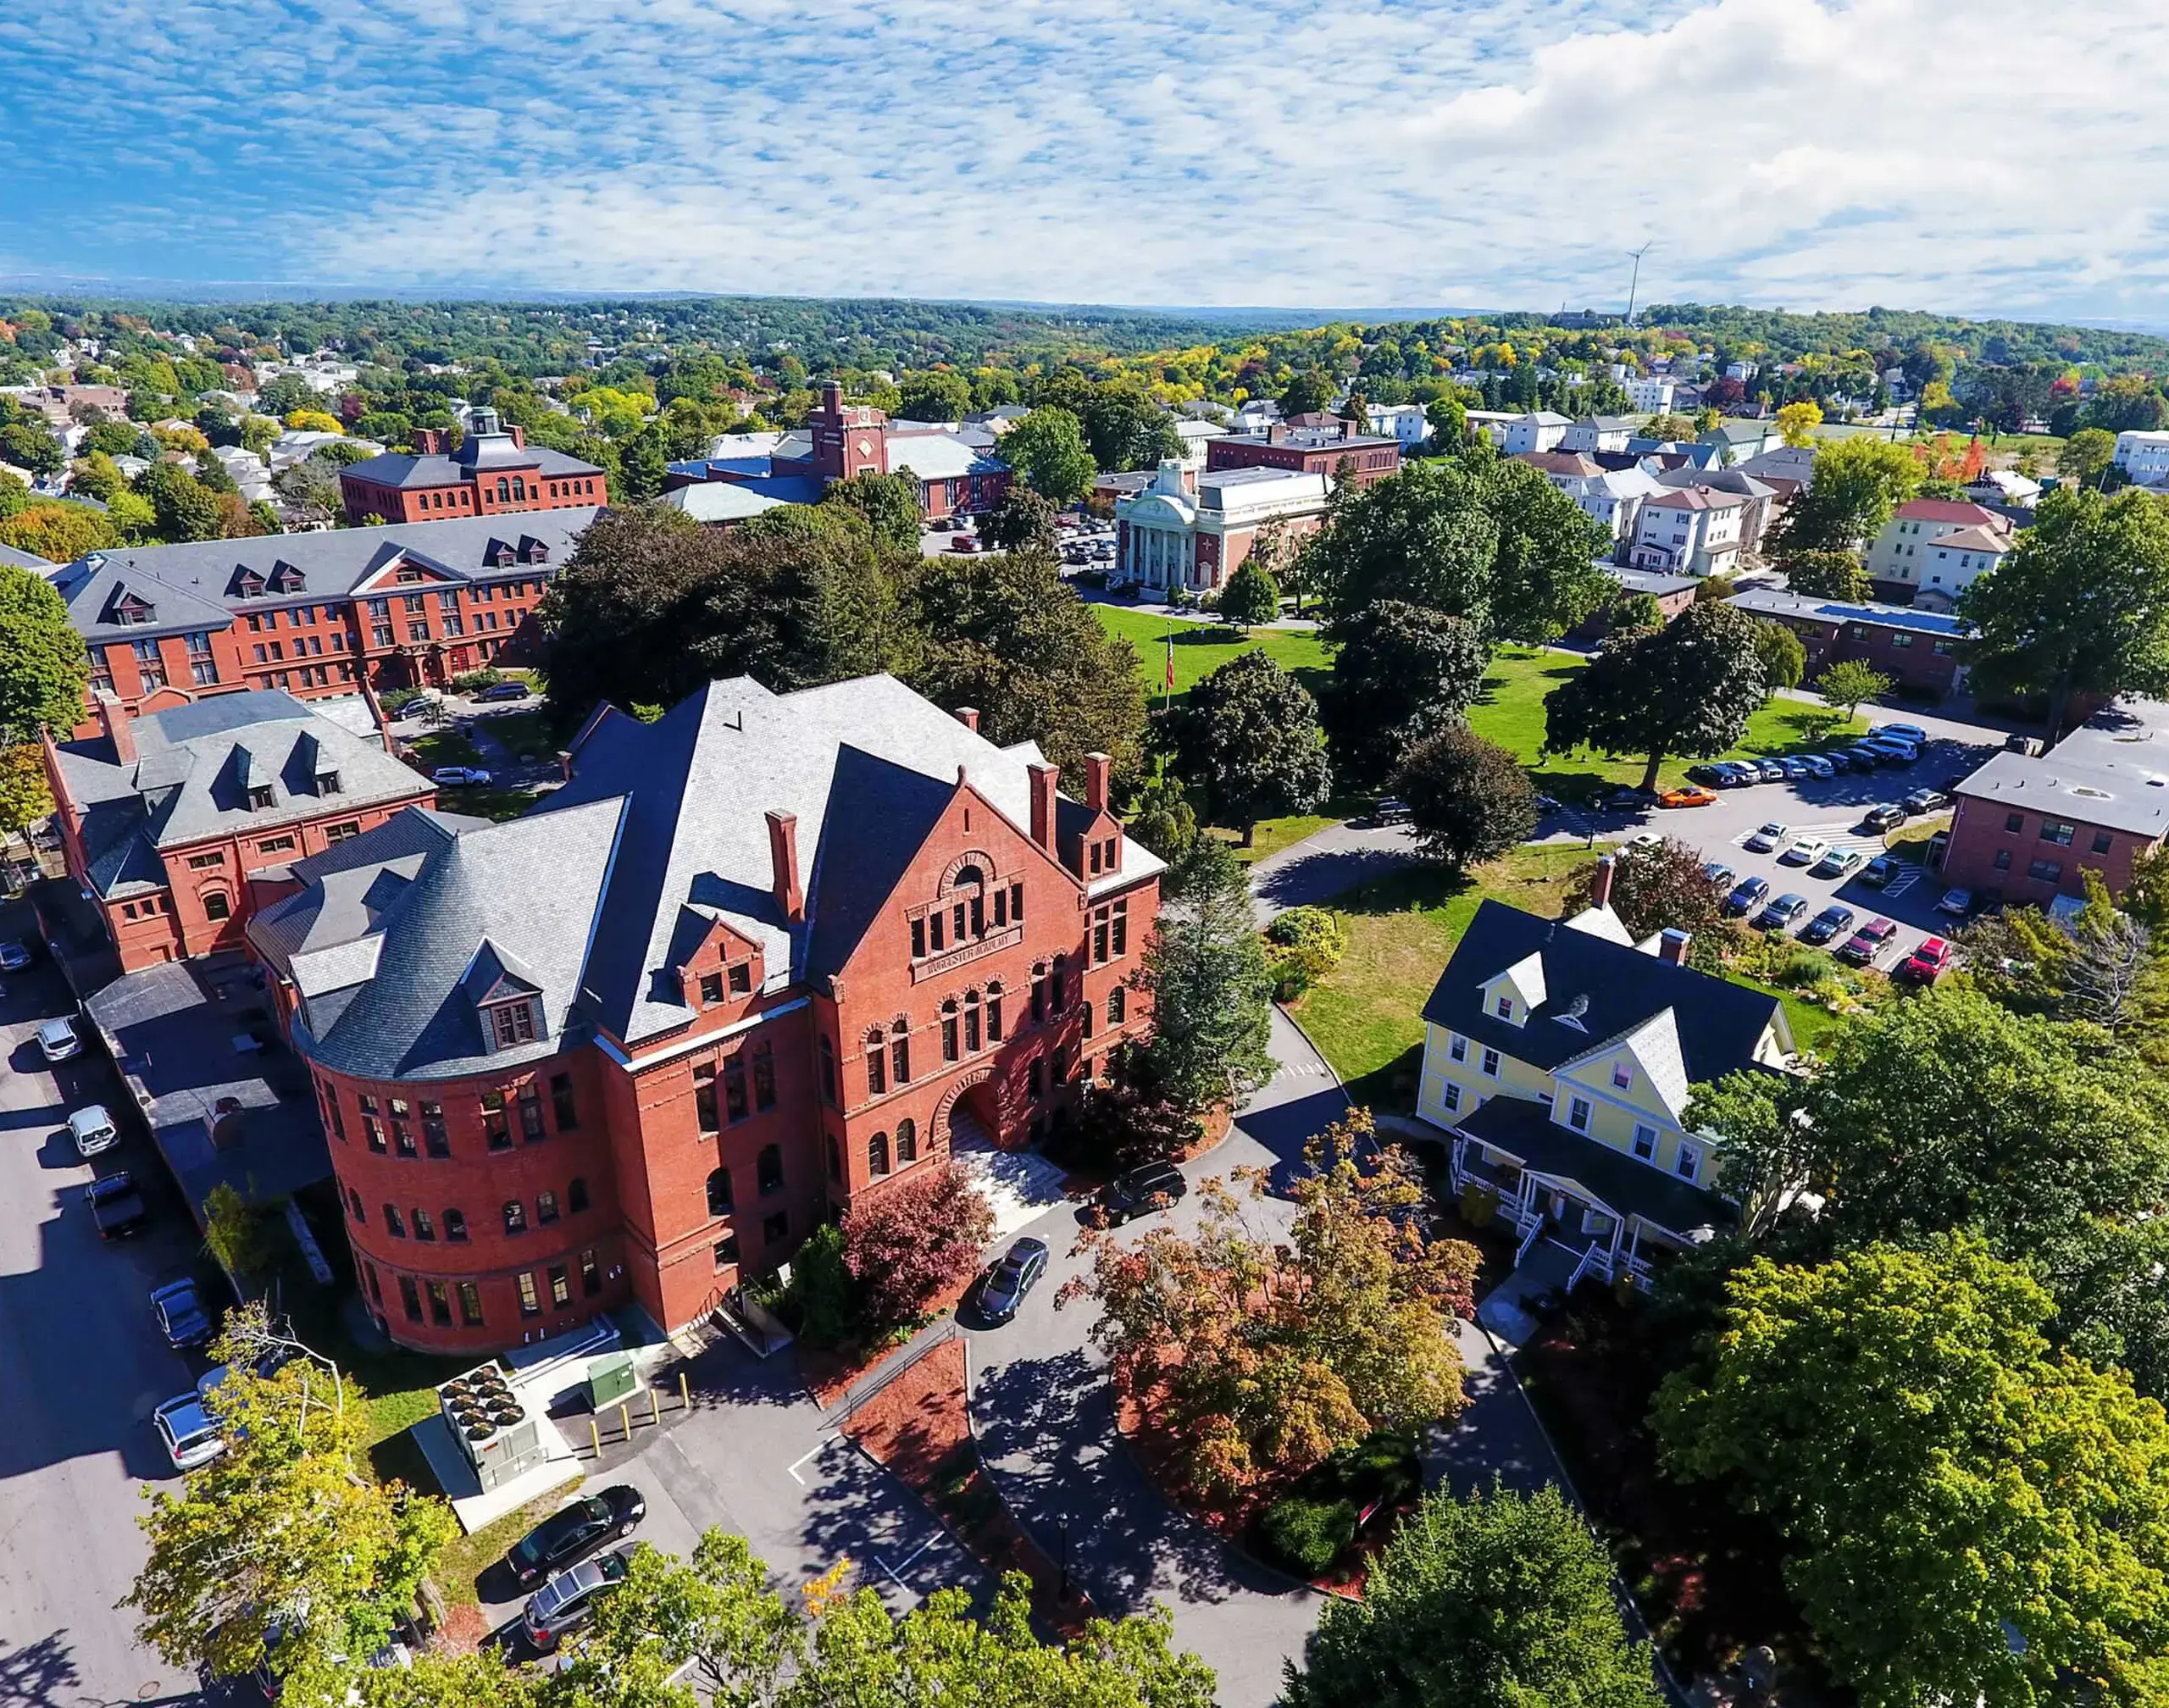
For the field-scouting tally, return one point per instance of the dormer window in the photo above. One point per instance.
(327, 782)
(1504, 1008)
(260, 797)
(511, 1024)
(532, 551)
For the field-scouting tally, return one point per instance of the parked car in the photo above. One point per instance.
(1643, 842)
(1837, 863)
(568, 1599)
(1880, 871)
(1747, 896)
(1795, 770)
(458, 776)
(1927, 800)
(1838, 761)
(1713, 775)
(1803, 851)
(506, 690)
(15, 957)
(186, 1427)
(117, 1208)
(1770, 770)
(1779, 915)
(1866, 758)
(962, 542)
(572, 1532)
(1911, 733)
(1926, 963)
(1626, 800)
(1956, 902)
(1390, 809)
(1693, 794)
(93, 1131)
(1720, 875)
(1861, 949)
(180, 1314)
(1828, 923)
(1139, 1191)
(58, 1040)
(1817, 766)
(1549, 803)
(1891, 751)
(1732, 775)
(1768, 836)
(1889, 816)
(1005, 1286)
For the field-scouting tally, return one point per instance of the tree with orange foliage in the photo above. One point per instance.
(1261, 1352)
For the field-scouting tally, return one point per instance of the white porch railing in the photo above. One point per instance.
(1529, 1237)
(1596, 1260)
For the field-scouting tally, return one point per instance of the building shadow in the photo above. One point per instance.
(39, 1674)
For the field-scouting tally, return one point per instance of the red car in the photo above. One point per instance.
(1926, 963)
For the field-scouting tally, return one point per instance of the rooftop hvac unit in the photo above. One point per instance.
(493, 1427)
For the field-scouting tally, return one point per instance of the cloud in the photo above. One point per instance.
(1802, 153)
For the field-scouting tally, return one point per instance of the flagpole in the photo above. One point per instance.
(1168, 699)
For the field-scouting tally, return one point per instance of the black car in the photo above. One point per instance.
(1879, 871)
(1779, 915)
(1887, 816)
(1827, 924)
(506, 690)
(1002, 1288)
(116, 1206)
(1744, 898)
(575, 1530)
(1139, 1192)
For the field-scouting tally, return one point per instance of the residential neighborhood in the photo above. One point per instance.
(787, 923)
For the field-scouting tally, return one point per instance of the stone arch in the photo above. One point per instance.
(964, 1085)
(973, 857)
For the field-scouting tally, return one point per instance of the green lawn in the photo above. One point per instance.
(1365, 1015)
(445, 747)
(1201, 648)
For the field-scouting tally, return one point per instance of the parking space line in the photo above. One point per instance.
(792, 1468)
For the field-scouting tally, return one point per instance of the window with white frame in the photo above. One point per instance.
(1457, 1048)
(1577, 1114)
(1491, 1063)
(1452, 1097)
(1504, 1008)
(1688, 1163)
(1645, 1140)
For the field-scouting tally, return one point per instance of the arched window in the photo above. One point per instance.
(877, 1154)
(971, 1022)
(719, 1192)
(1118, 1006)
(1039, 992)
(877, 1064)
(907, 1141)
(949, 1030)
(455, 1226)
(994, 1012)
(900, 1052)
(970, 887)
(519, 489)
(1057, 998)
(1087, 1011)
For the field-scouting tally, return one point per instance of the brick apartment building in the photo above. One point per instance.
(754, 960)
(314, 615)
(1921, 650)
(1324, 449)
(494, 471)
(179, 826)
(2026, 827)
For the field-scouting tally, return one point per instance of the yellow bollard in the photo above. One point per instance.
(685, 1393)
(654, 1407)
(625, 1419)
(595, 1429)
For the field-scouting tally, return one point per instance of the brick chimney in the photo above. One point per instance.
(832, 398)
(114, 719)
(783, 859)
(429, 441)
(1096, 768)
(518, 436)
(1672, 946)
(1601, 889)
(1043, 781)
(968, 716)
(1276, 433)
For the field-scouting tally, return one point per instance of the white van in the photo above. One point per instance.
(93, 1131)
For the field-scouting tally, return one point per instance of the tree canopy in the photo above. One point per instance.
(1248, 737)
(1400, 673)
(1468, 799)
(1858, 482)
(43, 667)
(1205, 971)
(1047, 450)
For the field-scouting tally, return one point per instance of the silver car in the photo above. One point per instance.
(57, 1040)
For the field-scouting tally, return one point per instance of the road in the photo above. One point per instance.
(82, 1366)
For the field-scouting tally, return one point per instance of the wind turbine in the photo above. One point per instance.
(1636, 282)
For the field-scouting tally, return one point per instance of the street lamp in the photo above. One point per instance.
(1064, 1594)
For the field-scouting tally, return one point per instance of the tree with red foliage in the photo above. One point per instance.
(912, 1241)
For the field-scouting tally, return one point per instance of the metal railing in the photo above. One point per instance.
(882, 1377)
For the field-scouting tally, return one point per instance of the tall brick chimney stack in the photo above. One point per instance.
(1672, 946)
(968, 716)
(1096, 768)
(783, 858)
(1600, 889)
(114, 719)
(1044, 777)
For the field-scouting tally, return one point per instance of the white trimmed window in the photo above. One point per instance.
(1450, 1098)
(1577, 1114)
(1645, 1140)
(1688, 1164)
(1457, 1048)
(1491, 1063)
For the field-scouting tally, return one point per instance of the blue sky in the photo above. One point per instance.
(1997, 157)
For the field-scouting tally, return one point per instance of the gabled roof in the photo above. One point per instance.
(1617, 989)
(1973, 540)
(1945, 510)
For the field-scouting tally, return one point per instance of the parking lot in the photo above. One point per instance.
(1828, 809)
(82, 1366)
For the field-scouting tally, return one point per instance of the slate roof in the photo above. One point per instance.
(938, 456)
(1524, 1128)
(192, 586)
(478, 453)
(25, 560)
(1719, 1023)
(1769, 602)
(193, 767)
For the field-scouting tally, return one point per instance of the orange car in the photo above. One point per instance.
(1691, 795)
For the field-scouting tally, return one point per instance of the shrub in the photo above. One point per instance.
(1314, 937)
(821, 1289)
(1291, 977)
(1305, 1535)
(474, 681)
(396, 701)
(1479, 1205)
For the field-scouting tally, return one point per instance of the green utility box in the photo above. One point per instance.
(611, 1380)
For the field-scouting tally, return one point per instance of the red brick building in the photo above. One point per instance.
(754, 960)
(180, 825)
(494, 471)
(955, 476)
(2028, 827)
(1309, 451)
(314, 615)
(1921, 650)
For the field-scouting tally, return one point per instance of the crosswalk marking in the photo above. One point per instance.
(1903, 879)
(1834, 835)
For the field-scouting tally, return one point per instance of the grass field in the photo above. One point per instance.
(1201, 648)
(1365, 1015)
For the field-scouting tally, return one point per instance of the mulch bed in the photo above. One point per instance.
(1082, 1180)
(920, 1427)
(830, 1372)
(1706, 1574)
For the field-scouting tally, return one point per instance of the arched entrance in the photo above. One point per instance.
(969, 1116)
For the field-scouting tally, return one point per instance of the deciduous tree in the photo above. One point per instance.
(1248, 737)
(1797, 422)
(43, 667)
(1686, 690)
(2087, 454)
(1468, 799)
(2080, 604)
(1205, 971)
(1400, 672)
(1653, 890)
(59, 533)
(1826, 576)
(1783, 658)
(888, 503)
(1263, 1355)
(1942, 1479)
(1023, 521)
(934, 395)
(1487, 1601)
(24, 796)
(906, 1244)
(1047, 448)
(1848, 685)
(1858, 482)
(1251, 595)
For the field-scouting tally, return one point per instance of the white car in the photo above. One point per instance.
(457, 776)
(185, 1425)
(57, 1040)
(93, 1131)
(1768, 837)
(1803, 851)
